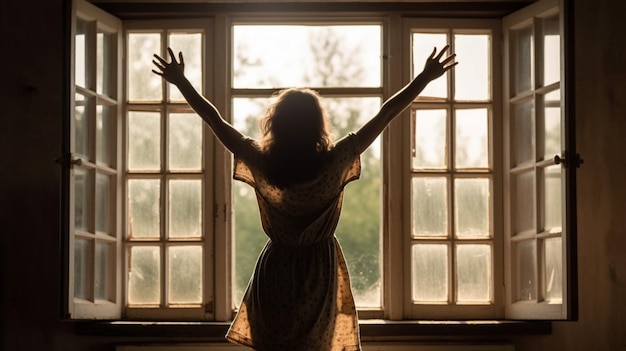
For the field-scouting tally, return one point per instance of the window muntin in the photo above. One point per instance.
(352, 59)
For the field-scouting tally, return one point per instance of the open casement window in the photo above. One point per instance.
(453, 238)
(94, 159)
(538, 170)
(169, 215)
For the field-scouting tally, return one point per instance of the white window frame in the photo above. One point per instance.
(91, 307)
(395, 141)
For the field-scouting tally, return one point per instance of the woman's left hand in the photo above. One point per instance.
(173, 72)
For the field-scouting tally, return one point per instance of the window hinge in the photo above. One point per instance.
(68, 161)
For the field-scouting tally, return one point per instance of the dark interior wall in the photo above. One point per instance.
(31, 75)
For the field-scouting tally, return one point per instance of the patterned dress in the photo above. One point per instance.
(299, 298)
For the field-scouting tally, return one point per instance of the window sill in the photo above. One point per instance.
(371, 330)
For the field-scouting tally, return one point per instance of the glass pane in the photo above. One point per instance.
(185, 275)
(83, 194)
(144, 276)
(551, 50)
(190, 44)
(358, 229)
(105, 273)
(430, 206)
(103, 203)
(472, 78)
(523, 146)
(185, 208)
(81, 61)
(552, 124)
(471, 207)
(423, 45)
(553, 274)
(431, 142)
(184, 142)
(82, 266)
(522, 59)
(524, 202)
(526, 267)
(429, 273)
(105, 134)
(105, 66)
(472, 138)
(552, 199)
(82, 113)
(143, 208)
(142, 83)
(323, 55)
(144, 141)
(473, 273)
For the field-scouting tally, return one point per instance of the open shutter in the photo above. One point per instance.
(539, 235)
(94, 159)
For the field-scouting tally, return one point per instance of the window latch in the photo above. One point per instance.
(566, 161)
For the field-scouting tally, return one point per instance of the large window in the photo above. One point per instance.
(459, 212)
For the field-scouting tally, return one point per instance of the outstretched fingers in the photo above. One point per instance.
(443, 51)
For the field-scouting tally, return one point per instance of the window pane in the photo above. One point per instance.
(553, 274)
(423, 45)
(105, 68)
(83, 258)
(82, 125)
(143, 208)
(429, 273)
(552, 124)
(105, 273)
(522, 58)
(142, 83)
(103, 203)
(185, 208)
(430, 206)
(81, 62)
(472, 78)
(471, 207)
(472, 138)
(83, 194)
(144, 277)
(552, 199)
(185, 275)
(526, 267)
(473, 273)
(190, 44)
(551, 50)
(431, 145)
(185, 142)
(105, 134)
(359, 227)
(522, 133)
(144, 141)
(524, 202)
(324, 56)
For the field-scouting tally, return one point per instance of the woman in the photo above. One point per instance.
(299, 297)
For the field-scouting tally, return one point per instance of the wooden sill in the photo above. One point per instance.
(371, 330)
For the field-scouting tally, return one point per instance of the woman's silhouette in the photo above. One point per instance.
(299, 297)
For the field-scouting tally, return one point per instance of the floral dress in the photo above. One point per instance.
(299, 297)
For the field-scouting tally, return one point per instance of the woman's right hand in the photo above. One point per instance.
(174, 71)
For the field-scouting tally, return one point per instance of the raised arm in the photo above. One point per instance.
(173, 72)
(434, 68)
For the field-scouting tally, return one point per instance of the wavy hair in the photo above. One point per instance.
(295, 136)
